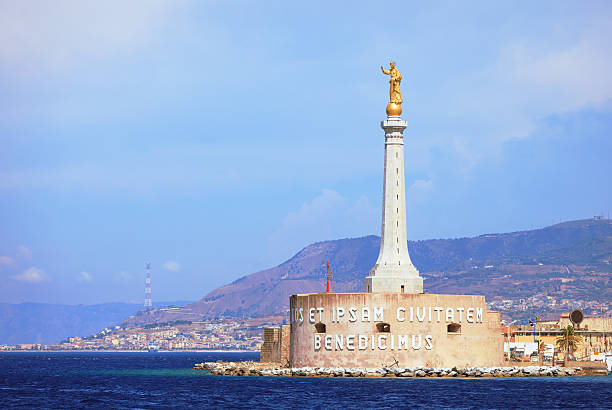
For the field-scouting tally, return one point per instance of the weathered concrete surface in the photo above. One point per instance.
(269, 369)
(430, 344)
(275, 348)
(271, 347)
(285, 344)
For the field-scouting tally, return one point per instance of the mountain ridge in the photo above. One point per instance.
(448, 265)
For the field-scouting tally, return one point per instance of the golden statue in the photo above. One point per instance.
(395, 96)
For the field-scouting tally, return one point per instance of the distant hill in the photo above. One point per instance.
(50, 323)
(567, 260)
(583, 242)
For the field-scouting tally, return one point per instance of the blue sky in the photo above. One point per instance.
(215, 139)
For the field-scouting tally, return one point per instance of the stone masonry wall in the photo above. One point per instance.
(275, 348)
(285, 344)
(382, 329)
(271, 348)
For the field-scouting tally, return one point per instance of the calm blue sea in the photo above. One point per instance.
(165, 380)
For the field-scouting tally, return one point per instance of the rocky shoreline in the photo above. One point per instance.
(270, 369)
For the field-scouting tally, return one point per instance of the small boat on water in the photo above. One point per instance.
(609, 362)
(153, 348)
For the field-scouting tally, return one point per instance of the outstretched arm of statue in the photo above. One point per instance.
(385, 71)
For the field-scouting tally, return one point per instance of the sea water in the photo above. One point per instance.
(166, 380)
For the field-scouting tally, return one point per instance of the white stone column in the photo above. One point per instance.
(394, 271)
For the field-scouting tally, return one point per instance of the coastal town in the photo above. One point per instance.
(247, 335)
(545, 306)
(181, 335)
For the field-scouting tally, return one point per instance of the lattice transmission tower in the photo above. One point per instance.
(148, 304)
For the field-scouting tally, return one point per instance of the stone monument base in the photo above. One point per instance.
(374, 330)
(382, 284)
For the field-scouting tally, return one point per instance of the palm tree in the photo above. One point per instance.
(568, 341)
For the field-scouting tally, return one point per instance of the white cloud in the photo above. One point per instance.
(527, 83)
(85, 277)
(124, 276)
(564, 79)
(57, 34)
(320, 208)
(32, 275)
(189, 165)
(6, 260)
(24, 252)
(172, 266)
(505, 98)
(328, 216)
(363, 217)
(419, 191)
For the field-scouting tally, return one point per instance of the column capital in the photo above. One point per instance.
(394, 126)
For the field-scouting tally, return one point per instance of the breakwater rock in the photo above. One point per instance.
(270, 369)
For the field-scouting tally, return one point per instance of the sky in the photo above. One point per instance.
(218, 138)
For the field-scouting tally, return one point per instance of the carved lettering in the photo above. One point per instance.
(401, 314)
(352, 314)
(340, 313)
(428, 342)
(365, 314)
(460, 310)
(363, 342)
(328, 342)
(339, 342)
(420, 317)
(350, 342)
(378, 314)
(438, 309)
(469, 315)
(382, 346)
(416, 346)
(450, 315)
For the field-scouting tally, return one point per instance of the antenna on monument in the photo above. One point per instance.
(329, 275)
(147, 302)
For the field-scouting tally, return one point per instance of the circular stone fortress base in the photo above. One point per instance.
(385, 329)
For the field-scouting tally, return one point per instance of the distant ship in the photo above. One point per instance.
(153, 348)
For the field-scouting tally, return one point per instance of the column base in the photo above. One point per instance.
(393, 284)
